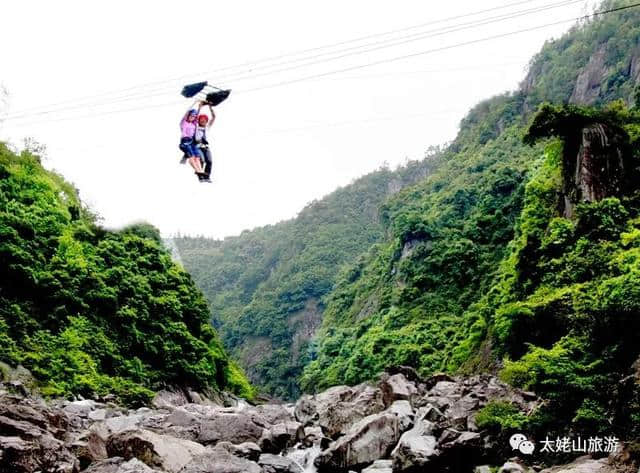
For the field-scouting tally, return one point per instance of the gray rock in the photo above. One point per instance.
(162, 451)
(235, 427)
(285, 435)
(117, 424)
(370, 439)
(220, 460)
(28, 443)
(278, 464)
(416, 448)
(341, 406)
(461, 409)
(306, 411)
(379, 466)
(97, 415)
(247, 450)
(119, 465)
(276, 413)
(482, 469)
(89, 448)
(589, 82)
(396, 388)
(468, 439)
(583, 464)
(169, 400)
(512, 467)
(82, 408)
(182, 418)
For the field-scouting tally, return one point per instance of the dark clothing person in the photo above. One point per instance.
(202, 144)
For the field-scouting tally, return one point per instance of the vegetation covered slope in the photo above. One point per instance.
(266, 287)
(406, 301)
(91, 311)
(564, 311)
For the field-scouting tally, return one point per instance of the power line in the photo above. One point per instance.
(273, 58)
(444, 48)
(387, 60)
(416, 37)
(311, 61)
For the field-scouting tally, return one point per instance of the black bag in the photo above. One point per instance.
(217, 97)
(190, 90)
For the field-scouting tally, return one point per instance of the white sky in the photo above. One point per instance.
(274, 149)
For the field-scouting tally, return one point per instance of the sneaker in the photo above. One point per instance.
(207, 179)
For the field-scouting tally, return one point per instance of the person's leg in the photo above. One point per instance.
(206, 153)
(195, 164)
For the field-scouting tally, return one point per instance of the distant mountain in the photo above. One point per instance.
(266, 287)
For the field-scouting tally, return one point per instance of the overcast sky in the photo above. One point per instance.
(275, 149)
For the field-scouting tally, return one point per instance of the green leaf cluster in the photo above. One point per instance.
(92, 311)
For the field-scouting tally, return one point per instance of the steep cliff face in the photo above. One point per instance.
(600, 168)
(597, 157)
(589, 83)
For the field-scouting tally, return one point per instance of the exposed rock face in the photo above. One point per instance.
(634, 66)
(304, 325)
(401, 424)
(589, 82)
(596, 166)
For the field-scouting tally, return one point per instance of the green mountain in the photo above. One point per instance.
(419, 277)
(266, 287)
(506, 258)
(94, 312)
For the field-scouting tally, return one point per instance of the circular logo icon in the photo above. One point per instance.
(521, 443)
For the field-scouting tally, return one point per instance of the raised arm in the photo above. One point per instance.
(184, 117)
(213, 117)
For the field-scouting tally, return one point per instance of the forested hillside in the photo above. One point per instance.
(94, 312)
(266, 287)
(410, 289)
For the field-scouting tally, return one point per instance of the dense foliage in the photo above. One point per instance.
(402, 304)
(418, 298)
(91, 311)
(266, 287)
(565, 308)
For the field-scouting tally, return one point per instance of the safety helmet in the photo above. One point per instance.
(204, 118)
(193, 111)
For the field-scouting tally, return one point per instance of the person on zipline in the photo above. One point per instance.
(202, 144)
(188, 126)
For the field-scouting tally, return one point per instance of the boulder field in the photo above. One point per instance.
(400, 424)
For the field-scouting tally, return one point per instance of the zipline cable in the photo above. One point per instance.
(444, 48)
(270, 59)
(380, 45)
(375, 63)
